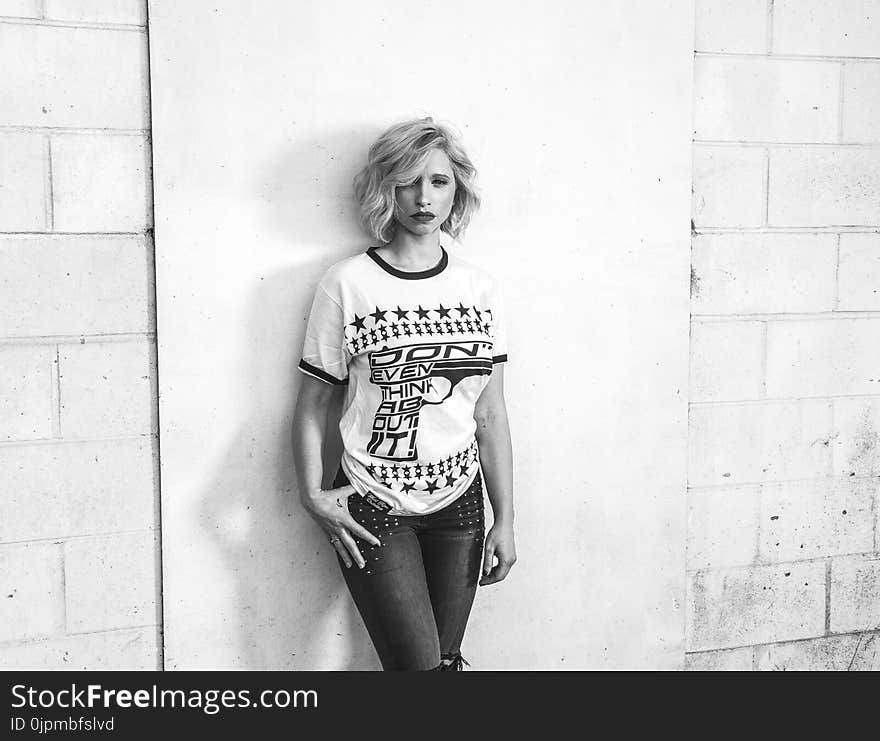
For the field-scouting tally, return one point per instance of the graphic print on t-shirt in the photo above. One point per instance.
(413, 376)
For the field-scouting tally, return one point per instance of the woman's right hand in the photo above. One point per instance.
(329, 508)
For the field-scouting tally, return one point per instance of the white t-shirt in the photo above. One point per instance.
(415, 350)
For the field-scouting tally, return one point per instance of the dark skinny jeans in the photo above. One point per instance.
(415, 591)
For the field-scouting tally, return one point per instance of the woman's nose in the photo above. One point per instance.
(422, 198)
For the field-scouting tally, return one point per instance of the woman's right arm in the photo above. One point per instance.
(327, 507)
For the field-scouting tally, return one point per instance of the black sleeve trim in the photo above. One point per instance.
(322, 375)
(500, 358)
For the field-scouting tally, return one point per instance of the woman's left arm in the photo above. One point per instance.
(496, 460)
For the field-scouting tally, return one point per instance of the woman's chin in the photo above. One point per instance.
(421, 230)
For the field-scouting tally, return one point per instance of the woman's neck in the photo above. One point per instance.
(412, 251)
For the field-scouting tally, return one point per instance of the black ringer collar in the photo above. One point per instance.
(410, 274)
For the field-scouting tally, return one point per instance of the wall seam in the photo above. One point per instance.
(160, 581)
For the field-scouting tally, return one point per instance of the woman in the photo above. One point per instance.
(415, 337)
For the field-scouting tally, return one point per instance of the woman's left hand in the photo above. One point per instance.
(499, 543)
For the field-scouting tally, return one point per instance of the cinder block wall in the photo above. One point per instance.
(79, 559)
(783, 562)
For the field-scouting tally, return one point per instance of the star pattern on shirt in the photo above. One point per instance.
(358, 323)
(373, 329)
(429, 477)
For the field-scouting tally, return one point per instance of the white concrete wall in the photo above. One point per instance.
(79, 571)
(578, 117)
(783, 561)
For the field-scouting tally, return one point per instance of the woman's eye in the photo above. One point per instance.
(441, 182)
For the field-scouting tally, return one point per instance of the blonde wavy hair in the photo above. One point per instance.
(396, 158)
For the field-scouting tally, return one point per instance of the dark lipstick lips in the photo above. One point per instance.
(423, 215)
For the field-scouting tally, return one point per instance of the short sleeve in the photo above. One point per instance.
(324, 353)
(498, 329)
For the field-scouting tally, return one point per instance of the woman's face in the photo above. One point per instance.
(423, 205)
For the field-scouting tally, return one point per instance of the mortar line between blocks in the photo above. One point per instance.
(836, 297)
(116, 629)
(843, 634)
(781, 564)
(80, 339)
(770, 26)
(875, 511)
(806, 316)
(758, 515)
(56, 393)
(840, 98)
(697, 489)
(71, 234)
(765, 216)
(63, 130)
(50, 639)
(825, 229)
(784, 144)
(764, 359)
(75, 440)
(49, 188)
(776, 400)
(48, 23)
(64, 585)
(43, 9)
(787, 57)
(827, 596)
(831, 436)
(80, 536)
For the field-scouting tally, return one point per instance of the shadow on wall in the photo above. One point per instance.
(291, 608)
